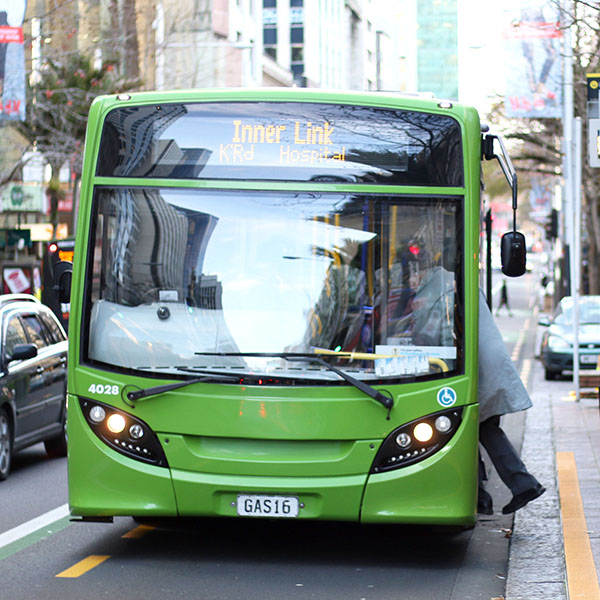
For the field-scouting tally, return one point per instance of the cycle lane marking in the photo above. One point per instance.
(33, 531)
(41, 527)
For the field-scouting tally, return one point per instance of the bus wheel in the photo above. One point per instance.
(5, 445)
(57, 446)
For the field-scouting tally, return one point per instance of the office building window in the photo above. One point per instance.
(297, 35)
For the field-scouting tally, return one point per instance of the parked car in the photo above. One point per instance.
(557, 340)
(33, 378)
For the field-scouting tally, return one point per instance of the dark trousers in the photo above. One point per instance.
(505, 459)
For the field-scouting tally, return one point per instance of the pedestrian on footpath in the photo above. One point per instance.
(500, 392)
(504, 299)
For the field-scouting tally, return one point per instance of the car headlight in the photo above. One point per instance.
(555, 342)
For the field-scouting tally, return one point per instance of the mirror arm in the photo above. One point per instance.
(513, 246)
(506, 166)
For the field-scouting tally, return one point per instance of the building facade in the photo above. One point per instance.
(186, 44)
(437, 47)
(324, 43)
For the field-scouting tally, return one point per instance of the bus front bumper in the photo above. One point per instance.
(439, 490)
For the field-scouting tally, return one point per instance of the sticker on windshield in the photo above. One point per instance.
(408, 360)
(446, 396)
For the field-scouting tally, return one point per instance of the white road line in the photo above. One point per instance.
(20, 531)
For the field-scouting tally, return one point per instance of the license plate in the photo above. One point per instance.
(267, 506)
(588, 359)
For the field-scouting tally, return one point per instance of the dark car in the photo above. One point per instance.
(33, 378)
(557, 340)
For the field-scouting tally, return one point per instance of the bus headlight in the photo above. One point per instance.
(403, 440)
(136, 431)
(123, 432)
(115, 423)
(443, 424)
(97, 414)
(423, 432)
(415, 441)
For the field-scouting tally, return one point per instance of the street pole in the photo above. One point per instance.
(569, 170)
(576, 250)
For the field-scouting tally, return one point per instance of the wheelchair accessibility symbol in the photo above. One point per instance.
(446, 396)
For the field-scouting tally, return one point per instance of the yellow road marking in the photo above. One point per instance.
(83, 566)
(138, 532)
(582, 580)
(526, 371)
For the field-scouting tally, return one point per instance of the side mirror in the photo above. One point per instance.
(513, 253)
(61, 280)
(23, 352)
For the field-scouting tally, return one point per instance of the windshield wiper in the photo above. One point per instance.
(159, 389)
(386, 401)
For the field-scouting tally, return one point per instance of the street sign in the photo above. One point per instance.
(593, 85)
(593, 119)
(23, 197)
(594, 142)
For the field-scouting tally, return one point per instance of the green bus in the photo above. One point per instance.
(274, 308)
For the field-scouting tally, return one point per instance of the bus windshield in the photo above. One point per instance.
(188, 277)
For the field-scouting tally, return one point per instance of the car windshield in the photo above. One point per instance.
(589, 313)
(218, 279)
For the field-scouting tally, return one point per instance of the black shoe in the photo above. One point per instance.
(484, 502)
(485, 508)
(520, 500)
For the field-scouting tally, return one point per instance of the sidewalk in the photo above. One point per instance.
(555, 423)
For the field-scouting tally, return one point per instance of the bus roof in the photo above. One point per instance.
(415, 101)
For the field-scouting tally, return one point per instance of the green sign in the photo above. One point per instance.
(23, 197)
(16, 195)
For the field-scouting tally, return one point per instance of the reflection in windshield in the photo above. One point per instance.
(195, 278)
(288, 141)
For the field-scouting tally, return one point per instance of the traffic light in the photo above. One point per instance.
(551, 225)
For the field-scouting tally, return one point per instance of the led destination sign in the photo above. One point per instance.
(303, 141)
(281, 141)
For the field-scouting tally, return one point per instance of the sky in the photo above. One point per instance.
(15, 11)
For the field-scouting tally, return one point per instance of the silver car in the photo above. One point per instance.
(557, 340)
(33, 378)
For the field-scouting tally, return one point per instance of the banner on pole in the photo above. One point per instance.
(540, 198)
(12, 60)
(532, 47)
